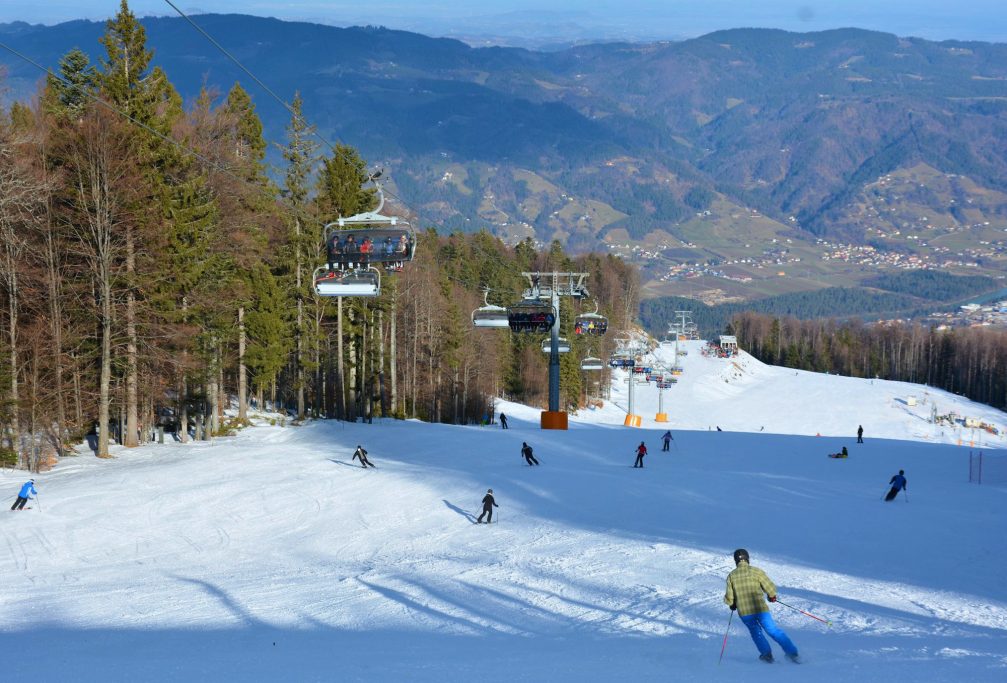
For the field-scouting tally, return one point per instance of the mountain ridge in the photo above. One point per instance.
(795, 125)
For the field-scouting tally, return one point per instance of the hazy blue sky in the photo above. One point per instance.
(642, 19)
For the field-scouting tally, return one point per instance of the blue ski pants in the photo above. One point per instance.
(763, 621)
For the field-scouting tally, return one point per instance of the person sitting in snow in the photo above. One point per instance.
(25, 495)
(843, 454)
(361, 454)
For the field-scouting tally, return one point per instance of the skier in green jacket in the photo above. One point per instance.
(745, 588)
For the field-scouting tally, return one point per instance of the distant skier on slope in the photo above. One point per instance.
(528, 456)
(860, 433)
(667, 440)
(361, 454)
(503, 421)
(488, 505)
(641, 451)
(745, 586)
(24, 496)
(898, 483)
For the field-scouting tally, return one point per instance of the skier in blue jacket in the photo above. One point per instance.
(898, 483)
(24, 495)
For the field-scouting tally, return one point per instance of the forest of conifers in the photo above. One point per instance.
(153, 270)
(970, 361)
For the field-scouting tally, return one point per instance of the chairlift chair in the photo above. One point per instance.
(590, 323)
(531, 317)
(357, 282)
(591, 363)
(490, 315)
(563, 345)
(354, 245)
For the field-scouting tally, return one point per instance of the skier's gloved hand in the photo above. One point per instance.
(772, 598)
(734, 607)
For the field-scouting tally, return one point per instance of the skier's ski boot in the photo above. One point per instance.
(768, 659)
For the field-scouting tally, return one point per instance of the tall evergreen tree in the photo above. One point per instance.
(268, 329)
(300, 155)
(124, 69)
(249, 145)
(70, 93)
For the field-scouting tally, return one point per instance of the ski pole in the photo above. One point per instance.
(824, 621)
(38, 502)
(724, 646)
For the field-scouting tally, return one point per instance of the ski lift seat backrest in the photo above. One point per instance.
(370, 245)
(490, 316)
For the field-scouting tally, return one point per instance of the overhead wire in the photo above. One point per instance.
(294, 114)
(111, 107)
(188, 150)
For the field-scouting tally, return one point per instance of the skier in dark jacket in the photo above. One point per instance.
(860, 433)
(526, 452)
(361, 454)
(503, 421)
(25, 495)
(745, 587)
(641, 451)
(898, 483)
(488, 505)
(667, 440)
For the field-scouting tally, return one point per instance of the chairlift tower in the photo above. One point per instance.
(661, 415)
(549, 287)
(684, 326)
(631, 349)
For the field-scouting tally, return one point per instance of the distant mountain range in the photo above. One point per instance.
(620, 142)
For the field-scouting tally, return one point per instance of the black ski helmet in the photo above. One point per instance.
(490, 491)
(739, 555)
(902, 471)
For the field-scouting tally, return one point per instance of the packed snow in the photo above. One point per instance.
(270, 555)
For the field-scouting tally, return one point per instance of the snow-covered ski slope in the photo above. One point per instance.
(269, 556)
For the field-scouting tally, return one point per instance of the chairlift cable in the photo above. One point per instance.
(288, 108)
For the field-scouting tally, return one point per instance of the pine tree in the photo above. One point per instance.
(68, 95)
(249, 145)
(125, 68)
(267, 323)
(300, 155)
(341, 190)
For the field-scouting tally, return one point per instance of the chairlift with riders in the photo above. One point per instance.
(355, 245)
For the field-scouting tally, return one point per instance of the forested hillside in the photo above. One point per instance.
(907, 294)
(971, 362)
(151, 270)
(578, 143)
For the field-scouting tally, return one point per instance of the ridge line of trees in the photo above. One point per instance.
(969, 361)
